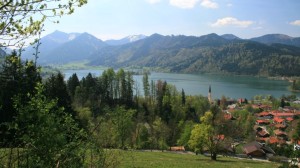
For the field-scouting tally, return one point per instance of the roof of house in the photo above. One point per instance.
(279, 132)
(262, 121)
(263, 133)
(284, 114)
(275, 140)
(289, 119)
(264, 113)
(278, 120)
(280, 126)
(256, 146)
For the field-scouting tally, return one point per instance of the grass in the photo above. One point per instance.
(171, 160)
(157, 159)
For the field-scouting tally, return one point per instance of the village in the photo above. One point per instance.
(275, 129)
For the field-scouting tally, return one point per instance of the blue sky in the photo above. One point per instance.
(114, 19)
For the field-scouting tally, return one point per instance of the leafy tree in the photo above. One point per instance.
(185, 133)
(23, 19)
(122, 119)
(48, 135)
(209, 135)
(160, 134)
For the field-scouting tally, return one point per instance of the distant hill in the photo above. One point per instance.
(49, 43)
(74, 50)
(125, 40)
(278, 38)
(230, 37)
(266, 55)
(209, 53)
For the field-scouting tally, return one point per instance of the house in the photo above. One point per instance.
(283, 115)
(278, 120)
(275, 140)
(262, 133)
(265, 115)
(261, 106)
(289, 119)
(256, 149)
(280, 134)
(262, 122)
(280, 126)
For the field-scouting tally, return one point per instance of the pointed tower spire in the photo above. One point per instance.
(209, 94)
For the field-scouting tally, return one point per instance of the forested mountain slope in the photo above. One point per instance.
(209, 53)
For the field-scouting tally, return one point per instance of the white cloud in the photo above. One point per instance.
(295, 23)
(209, 4)
(153, 1)
(227, 21)
(229, 5)
(185, 4)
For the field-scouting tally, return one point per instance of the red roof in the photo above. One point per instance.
(289, 119)
(263, 121)
(278, 120)
(284, 114)
(264, 113)
(274, 140)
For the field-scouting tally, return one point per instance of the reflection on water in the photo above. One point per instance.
(229, 86)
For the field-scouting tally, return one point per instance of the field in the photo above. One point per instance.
(155, 159)
(167, 159)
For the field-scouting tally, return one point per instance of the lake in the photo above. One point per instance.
(227, 85)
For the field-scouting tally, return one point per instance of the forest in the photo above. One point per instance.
(56, 121)
(53, 120)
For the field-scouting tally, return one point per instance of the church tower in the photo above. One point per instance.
(209, 94)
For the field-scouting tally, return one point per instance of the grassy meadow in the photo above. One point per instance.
(171, 160)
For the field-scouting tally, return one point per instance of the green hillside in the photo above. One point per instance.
(210, 53)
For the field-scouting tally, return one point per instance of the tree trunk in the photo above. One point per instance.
(213, 156)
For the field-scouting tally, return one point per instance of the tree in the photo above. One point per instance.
(47, 134)
(183, 100)
(210, 134)
(159, 133)
(17, 78)
(23, 19)
(122, 119)
(72, 83)
(56, 88)
(146, 85)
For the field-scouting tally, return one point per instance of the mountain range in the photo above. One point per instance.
(272, 54)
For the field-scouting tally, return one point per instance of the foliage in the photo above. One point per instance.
(208, 135)
(48, 135)
(17, 78)
(23, 19)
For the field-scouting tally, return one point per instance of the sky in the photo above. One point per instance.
(115, 19)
